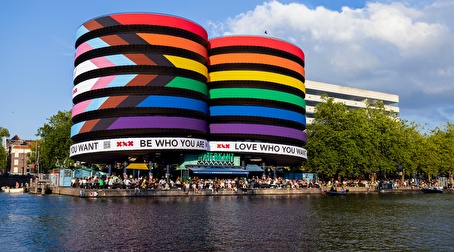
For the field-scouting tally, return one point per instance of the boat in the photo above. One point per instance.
(7, 189)
(336, 193)
(431, 190)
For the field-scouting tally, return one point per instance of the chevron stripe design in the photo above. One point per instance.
(141, 39)
(141, 19)
(139, 80)
(140, 59)
(139, 122)
(143, 101)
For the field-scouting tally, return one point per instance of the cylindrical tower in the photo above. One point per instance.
(256, 88)
(140, 75)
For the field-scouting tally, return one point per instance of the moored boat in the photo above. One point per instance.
(431, 190)
(336, 193)
(13, 190)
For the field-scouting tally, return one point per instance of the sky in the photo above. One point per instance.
(398, 47)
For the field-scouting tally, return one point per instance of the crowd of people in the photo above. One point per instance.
(198, 184)
(128, 182)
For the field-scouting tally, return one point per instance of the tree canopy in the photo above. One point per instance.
(3, 154)
(55, 140)
(370, 142)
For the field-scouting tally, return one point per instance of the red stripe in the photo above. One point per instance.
(161, 20)
(256, 41)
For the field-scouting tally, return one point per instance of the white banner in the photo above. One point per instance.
(258, 147)
(146, 143)
(169, 143)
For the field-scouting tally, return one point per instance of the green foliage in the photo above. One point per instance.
(369, 141)
(3, 154)
(55, 140)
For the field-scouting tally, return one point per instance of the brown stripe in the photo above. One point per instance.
(113, 102)
(88, 126)
(142, 80)
(113, 40)
(92, 25)
(140, 59)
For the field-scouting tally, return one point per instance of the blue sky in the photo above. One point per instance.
(399, 47)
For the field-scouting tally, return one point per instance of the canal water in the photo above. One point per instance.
(369, 222)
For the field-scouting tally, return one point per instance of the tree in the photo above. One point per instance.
(360, 142)
(55, 140)
(442, 142)
(3, 154)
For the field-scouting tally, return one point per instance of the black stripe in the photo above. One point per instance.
(257, 67)
(256, 84)
(255, 49)
(133, 111)
(141, 69)
(117, 28)
(139, 90)
(105, 51)
(106, 134)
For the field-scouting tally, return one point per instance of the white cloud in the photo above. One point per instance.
(397, 47)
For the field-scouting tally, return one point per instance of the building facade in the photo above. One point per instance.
(352, 97)
(155, 88)
(18, 151)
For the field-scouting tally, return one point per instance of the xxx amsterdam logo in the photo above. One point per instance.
(125, 144)
(223, 146)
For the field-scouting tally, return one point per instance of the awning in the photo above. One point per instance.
(254, 168)
(218, 170)
(137, 166)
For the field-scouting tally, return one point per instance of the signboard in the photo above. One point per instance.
(145, 143)
(258, 147)
(216, 159)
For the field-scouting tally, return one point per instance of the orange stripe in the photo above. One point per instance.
(167, 40)
(231, 58)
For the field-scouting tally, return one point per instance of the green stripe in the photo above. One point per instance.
(186, 83)
(257, 93)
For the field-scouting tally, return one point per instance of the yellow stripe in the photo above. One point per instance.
(188, 64)
(257, 76)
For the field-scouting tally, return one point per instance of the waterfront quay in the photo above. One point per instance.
(178, 192)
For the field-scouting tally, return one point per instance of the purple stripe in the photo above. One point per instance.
(165, 122)
(257, 129)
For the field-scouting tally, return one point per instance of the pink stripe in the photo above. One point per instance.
(80, 107)
(84, 47)
(103, 82)
(101, 62)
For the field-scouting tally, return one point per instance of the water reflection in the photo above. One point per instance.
(228, 223)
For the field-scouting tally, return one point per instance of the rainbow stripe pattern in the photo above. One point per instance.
(155, 75)
(256, 87)
(139, 74)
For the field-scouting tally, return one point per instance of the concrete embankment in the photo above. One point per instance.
(80, 192)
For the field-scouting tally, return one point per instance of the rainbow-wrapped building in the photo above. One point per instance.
(154, 86)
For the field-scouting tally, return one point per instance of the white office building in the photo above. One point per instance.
(352, 97)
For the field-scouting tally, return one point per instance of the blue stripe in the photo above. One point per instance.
(174, 102)
(121, 80)
(120, 60)
(97, 43)
(76, 128)
(258, 111)
(95, 104)
(81, 31)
